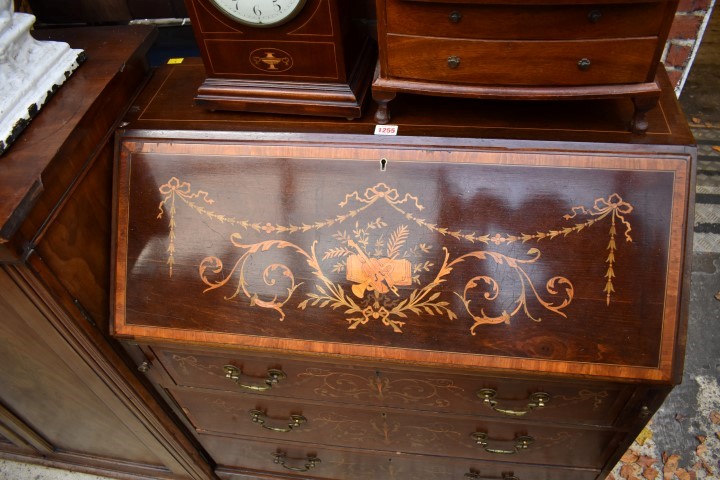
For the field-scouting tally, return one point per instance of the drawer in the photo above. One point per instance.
(393, 430)
(237, 456)
(520, 63)
(438, 391)
(524, 22)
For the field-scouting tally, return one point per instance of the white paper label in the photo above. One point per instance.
(386, 129)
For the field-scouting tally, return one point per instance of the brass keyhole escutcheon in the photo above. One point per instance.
(594, 16)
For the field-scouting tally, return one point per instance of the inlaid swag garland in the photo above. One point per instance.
(378, 260)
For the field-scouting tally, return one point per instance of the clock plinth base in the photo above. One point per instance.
(298, 98)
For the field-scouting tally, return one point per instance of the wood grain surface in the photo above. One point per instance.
(508, 271)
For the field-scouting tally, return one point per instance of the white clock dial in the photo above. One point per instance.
(260, 13)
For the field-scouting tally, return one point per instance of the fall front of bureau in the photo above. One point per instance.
(342, 306)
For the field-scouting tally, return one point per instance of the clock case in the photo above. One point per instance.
(320, 62)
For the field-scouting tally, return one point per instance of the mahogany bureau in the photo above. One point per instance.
(523, 49)
(463, 301)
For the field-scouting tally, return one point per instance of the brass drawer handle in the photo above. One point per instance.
(455, 17)
(521, 443)
(260, 418)
(477, 476)
(584, 64)
(310, 462)
(453, 61)
(535, 400)
(594, 16)
(273, 377)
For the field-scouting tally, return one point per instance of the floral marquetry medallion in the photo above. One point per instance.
(523, 256)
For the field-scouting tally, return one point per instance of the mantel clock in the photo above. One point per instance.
(283, 56)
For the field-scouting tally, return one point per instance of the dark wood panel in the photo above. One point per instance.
(76, 244)
(81, 11)
(454, 214)
(44, 390)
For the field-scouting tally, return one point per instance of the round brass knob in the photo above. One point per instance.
(583, 64)
(453, 61)
(455, 17)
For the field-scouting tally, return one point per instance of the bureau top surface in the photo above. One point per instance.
(167, 104)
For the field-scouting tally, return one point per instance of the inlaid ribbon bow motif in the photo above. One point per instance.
(387, 276)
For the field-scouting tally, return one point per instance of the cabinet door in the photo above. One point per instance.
(45, 385)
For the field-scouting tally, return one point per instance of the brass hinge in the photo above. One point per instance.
(84, 312)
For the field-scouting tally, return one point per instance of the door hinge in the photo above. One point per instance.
(84, 312)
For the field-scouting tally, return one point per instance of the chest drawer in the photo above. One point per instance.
(520, 63)
(394, 430)
(435, 391)
(525, 22)
(278, 458)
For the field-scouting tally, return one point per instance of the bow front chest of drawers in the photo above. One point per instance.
(527, 49)
(317, 302)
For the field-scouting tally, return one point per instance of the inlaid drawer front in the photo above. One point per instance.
(431, 391)
(234, 454)
(540, 260)
(526, 22)
(393, 430)
(591, 62)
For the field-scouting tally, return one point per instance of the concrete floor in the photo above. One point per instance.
(683, 439)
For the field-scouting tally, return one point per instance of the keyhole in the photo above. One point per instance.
(383, 164)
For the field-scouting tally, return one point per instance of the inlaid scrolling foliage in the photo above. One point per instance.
(378, 259)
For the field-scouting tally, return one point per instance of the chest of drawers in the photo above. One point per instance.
(315, 302)
(534, 50)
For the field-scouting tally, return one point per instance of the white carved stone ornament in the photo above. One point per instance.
(30, 72)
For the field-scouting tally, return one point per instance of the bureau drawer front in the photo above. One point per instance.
(436, 391)
(392, 430)
(520, 63)
(526, 22)
(238, 456)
